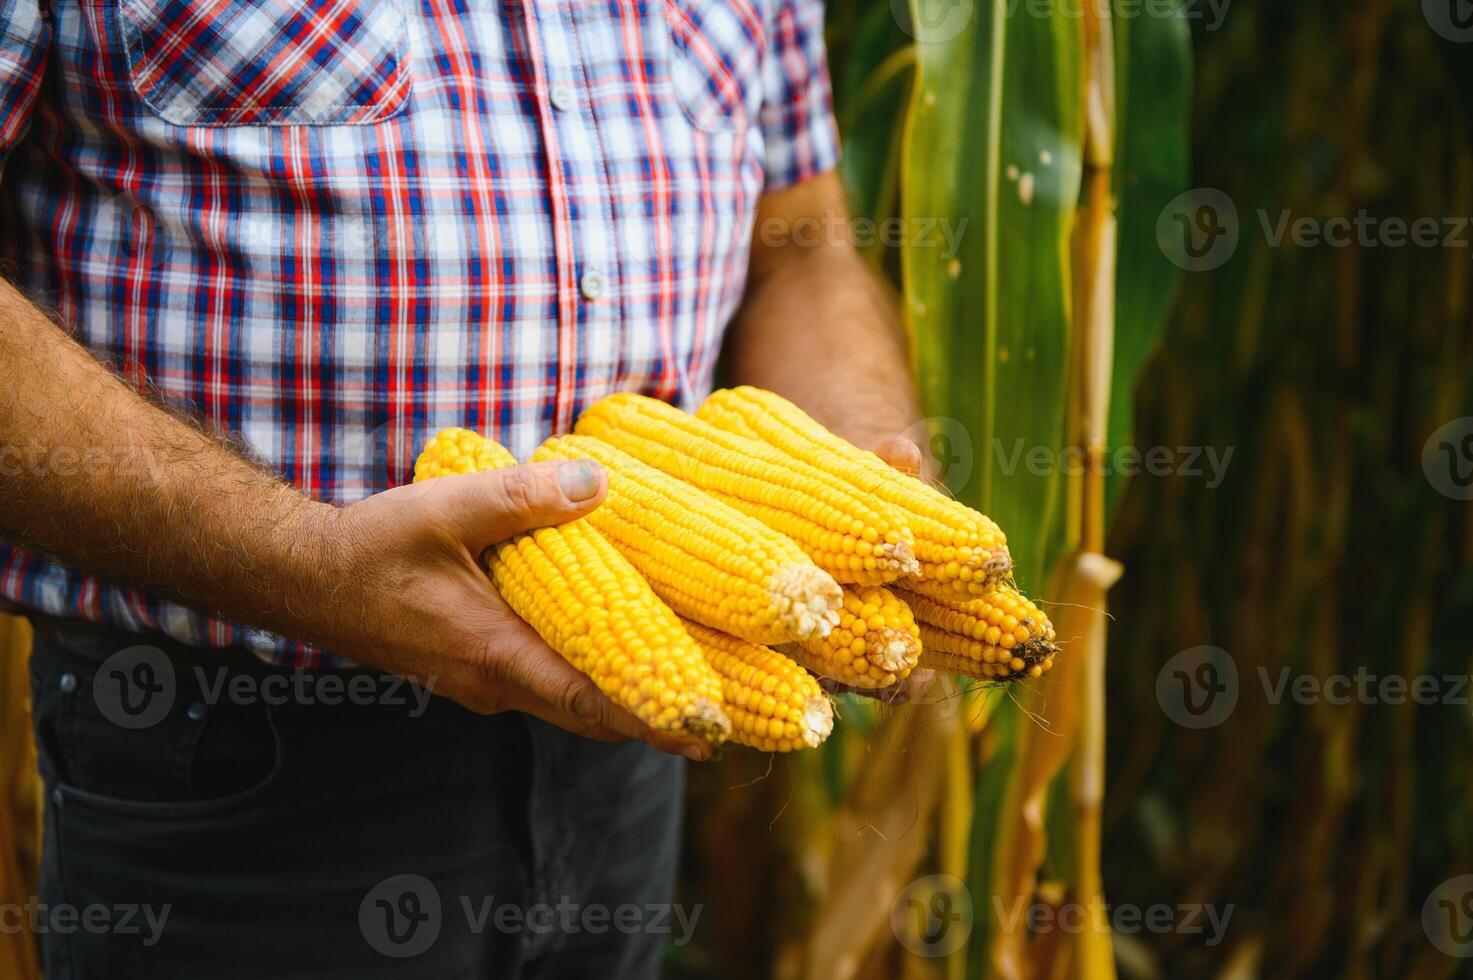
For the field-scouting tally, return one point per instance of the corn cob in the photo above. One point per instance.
(962, 665)
(775, 705)
(876, 643)
(961, 552)
(590, 605)
(855, 538)
(1000, 635)
(710, 562)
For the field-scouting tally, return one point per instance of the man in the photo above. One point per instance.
(302, 235)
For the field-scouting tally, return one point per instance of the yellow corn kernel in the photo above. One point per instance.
(708, 561)
(774, 704)
(854, 537)
(590, 605)
(960, 551)
(1002, 635)
(875, 644)
(963, 665)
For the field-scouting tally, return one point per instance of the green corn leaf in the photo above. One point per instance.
(990, 179)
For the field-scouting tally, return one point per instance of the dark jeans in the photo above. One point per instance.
(225, 836)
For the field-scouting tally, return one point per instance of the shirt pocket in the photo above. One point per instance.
(267, 62)
(717, 65)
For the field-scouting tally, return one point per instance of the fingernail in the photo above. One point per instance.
(578, 478)
(694, 753)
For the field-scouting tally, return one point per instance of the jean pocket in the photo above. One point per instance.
(180, 757)
(267, 62)
(716, 67)
(135, 802)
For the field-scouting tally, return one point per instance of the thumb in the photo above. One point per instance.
(901, 453)
(487, 508)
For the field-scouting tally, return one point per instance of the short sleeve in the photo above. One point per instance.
(25, 37)
(797, 116)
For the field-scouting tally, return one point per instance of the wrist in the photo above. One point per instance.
(310, 560)
(871, 423)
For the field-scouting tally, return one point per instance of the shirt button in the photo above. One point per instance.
(196, 711)
(593, 284)
(562, 98)
(68, 683)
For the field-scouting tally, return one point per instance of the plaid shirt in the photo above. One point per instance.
(331, 227)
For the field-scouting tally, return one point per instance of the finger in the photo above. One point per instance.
(547, 686)
(486, 508)
(915, 686)
(912, 687)
(901, 453)
(831, 686)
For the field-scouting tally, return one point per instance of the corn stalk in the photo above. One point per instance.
(981, 122)
(1094, 255)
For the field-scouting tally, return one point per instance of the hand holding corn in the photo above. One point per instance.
(424, 605)
(744, 519)
(585, 600)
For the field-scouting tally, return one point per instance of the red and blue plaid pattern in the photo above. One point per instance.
(333, 226)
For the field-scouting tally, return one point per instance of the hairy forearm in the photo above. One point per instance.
(819, 327)
(96, 474)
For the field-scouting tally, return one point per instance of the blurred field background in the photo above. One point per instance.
(1325, 549)
(1060, 134)
(20, 796)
